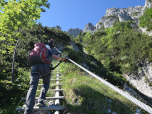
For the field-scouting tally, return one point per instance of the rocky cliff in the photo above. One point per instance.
(143, 78)
(117, 14)
(74, 32)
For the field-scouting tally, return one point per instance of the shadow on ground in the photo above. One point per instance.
(90, 101)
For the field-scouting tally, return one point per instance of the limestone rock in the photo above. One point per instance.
(149, 33)
(142, 79)
(118, 14)
(74, 32)
(148, 4)
(114, 15)
(89, 27)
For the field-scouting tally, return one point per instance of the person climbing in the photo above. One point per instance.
(39, 68)
(51, 43)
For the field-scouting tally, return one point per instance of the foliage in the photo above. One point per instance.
(85, 94)
(149, 1)
(145, 19)
(135, 13)
(22, 66)
(11, 93)
(15, 15)
(33, 35)
(119, 48)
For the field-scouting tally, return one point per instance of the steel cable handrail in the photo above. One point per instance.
(126, 95)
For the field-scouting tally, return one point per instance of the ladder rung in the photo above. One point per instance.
(56, 76)
(51, 84)
(61, 97)
(44, 108)
(56, 79)
(59, 73)
(57, 84)
(53, 90)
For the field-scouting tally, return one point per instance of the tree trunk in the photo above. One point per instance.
(14, 60)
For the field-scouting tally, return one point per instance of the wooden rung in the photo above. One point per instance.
(53, 90)
(61, 97)
(43, 108)
(51, 84)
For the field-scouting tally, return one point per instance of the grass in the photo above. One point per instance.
(89, 96)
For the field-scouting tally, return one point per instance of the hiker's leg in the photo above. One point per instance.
(46, 83)
(30, 98)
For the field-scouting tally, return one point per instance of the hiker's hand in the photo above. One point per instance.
(60, 53)
(62, 59)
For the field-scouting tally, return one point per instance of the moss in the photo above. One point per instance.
(147, 80)
(113, 16)
(100, 23)
(135, 13)
(150, 1)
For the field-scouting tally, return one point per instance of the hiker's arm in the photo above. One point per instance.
(53, 44)
(57, 57)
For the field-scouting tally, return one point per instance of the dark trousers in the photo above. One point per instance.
(36, 71)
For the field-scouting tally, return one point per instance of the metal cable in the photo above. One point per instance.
(101, 87)
(126, 95)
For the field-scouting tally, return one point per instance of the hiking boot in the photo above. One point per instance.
(40, 104)
(28, 112)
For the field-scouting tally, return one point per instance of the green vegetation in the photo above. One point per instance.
(145, 19)
(135, 13)
(150, 1)
(15, 15)
(88, 95)
(10, 92)
(111, 53)
(118, 52)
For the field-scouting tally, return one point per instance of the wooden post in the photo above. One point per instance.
(14, 60)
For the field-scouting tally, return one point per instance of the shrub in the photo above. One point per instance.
(145, 19)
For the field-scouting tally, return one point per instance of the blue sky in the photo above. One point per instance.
(77, 13)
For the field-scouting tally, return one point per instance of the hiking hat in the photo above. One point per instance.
(47, 46)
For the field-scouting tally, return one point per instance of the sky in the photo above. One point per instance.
(77, 13)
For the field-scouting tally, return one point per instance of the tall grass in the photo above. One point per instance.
(89, 96)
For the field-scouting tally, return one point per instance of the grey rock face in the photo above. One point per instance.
(121, 15)
(117, 14)
(58, 27)
(147, 5)
(139, 80)
(74, 32)
(89, 27)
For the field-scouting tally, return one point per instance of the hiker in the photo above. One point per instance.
(51, 43)
(42, 69)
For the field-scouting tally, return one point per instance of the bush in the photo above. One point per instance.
(145, 19)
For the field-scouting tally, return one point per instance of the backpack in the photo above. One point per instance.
(38, 54)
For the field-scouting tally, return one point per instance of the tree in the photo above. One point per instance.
(15, 15)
